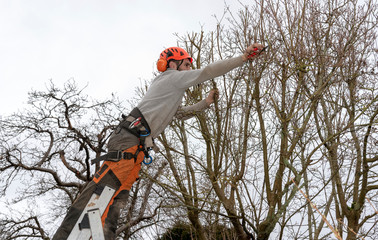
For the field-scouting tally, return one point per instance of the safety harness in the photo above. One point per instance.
(137, 125)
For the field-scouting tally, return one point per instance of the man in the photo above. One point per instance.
(129, 144)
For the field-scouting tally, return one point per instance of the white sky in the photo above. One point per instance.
(108, 44)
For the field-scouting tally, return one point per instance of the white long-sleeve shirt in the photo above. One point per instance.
(164, 97)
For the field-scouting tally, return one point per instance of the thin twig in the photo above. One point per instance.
(337, 235)
(375, 210)
(350, 229)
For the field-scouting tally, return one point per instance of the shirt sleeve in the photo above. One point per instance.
(187, 112)
(186, 79)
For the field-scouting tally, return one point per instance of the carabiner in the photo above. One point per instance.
(147, 163)
(145, 135)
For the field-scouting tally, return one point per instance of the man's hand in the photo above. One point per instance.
(214, 94)
(253, 50)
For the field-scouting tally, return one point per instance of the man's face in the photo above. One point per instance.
(186, 65)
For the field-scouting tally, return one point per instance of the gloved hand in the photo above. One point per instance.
(252, 51)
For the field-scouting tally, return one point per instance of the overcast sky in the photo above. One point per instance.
(108, 44)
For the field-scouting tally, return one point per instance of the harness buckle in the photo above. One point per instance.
(127, 155)
(119, 155)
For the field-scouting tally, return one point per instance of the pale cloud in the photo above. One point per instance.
(108, 45)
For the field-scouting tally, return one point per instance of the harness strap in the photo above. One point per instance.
(115, 156)
(136, 124)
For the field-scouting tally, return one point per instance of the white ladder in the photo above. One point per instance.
(89, 223)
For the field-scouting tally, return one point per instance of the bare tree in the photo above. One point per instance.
(269, 137)
(347, 112)
(46, 150)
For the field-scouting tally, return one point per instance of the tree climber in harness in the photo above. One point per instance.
(130, 142)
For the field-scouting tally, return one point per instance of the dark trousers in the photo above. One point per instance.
(119, 175)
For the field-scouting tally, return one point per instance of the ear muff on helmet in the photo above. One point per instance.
(162, 65)
(172, 53)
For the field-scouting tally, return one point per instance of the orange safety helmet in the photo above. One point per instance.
(174, 53)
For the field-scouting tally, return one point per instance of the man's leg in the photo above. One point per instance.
(74, 212)
(119, 175)
(127, 172)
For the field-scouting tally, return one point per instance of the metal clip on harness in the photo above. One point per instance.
(144, 160)
(146, 149)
